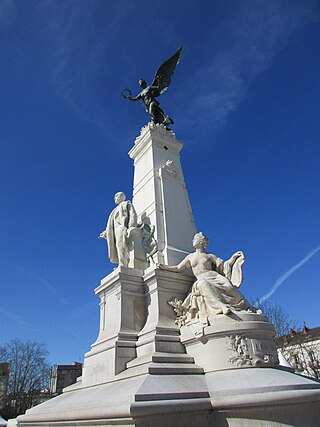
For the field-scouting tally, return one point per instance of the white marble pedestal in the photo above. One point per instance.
(160, 194)
(239, 340)
(139, 373)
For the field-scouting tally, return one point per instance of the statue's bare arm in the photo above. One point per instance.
(180, 267)
(135, 98)
(103, 235)
(129, 97)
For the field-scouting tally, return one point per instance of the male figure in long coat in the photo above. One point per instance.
(120, 221)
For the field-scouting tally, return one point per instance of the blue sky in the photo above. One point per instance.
(245, 100)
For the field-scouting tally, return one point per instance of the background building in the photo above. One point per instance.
(64, 375)
(302, 350)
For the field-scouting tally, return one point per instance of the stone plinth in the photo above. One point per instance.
(239, 340)
(137, 367)
(135, 321)
(138, 372)
(160, 193)
(122, 315)
(255, 397)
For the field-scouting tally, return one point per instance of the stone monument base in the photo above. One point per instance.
(174, 397)
(142, 372)
(238, 340)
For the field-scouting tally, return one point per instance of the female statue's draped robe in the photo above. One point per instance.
(217, 289)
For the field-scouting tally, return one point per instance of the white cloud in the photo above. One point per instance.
(6, 11)
(37, 279)
(19, 320)
(248, 39)
(73, 333)
(254, 35)
(287, 274)
(79, 52)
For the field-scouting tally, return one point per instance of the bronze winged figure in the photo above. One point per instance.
(159, 85)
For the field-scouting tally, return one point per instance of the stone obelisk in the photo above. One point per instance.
(159, 192)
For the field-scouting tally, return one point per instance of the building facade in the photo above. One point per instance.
(302, 350)
(64, 375)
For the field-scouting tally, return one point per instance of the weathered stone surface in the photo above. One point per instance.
(159, 192)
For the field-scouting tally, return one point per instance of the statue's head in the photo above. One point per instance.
(142, 83)
(200, 240)
(119, 197)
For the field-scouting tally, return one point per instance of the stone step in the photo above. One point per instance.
(163, 387)
(174, 368)
(138, 361)
(172, 358)
(160, 357)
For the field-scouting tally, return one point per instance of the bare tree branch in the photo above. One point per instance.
(29, 375)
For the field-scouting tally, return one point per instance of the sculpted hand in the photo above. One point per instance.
(103, 235)
(130, 231)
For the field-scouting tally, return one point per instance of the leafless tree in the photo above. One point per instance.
(302, 348)
(278, 316)
(29, 375)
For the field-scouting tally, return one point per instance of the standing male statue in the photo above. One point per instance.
(120, 223)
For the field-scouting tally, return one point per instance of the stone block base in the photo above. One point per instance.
(230, 342)
(251, 397)
(142, 372)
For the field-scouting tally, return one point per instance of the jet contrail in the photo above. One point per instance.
(285, 276)
(43, 281)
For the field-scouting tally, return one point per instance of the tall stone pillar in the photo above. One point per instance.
(160, 194)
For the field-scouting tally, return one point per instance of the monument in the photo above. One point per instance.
(179, 344)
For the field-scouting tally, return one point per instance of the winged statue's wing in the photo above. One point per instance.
(162, 79)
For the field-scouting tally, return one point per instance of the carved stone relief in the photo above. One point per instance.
(149, 243)
(168, 167)
(244, 352)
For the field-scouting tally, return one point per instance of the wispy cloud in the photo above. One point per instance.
(89, 44)
(6, 11)
(19, 320)
(82, 311)
(251, 39)
(287, 274)
(80, 46)
(43, 282)
(73, 333)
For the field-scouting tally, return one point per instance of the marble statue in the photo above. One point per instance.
(159, 85)
(121, 221)
(149, 243)
(216, 288)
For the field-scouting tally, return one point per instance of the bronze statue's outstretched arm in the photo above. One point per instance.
(129, 97)
(136, 98)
